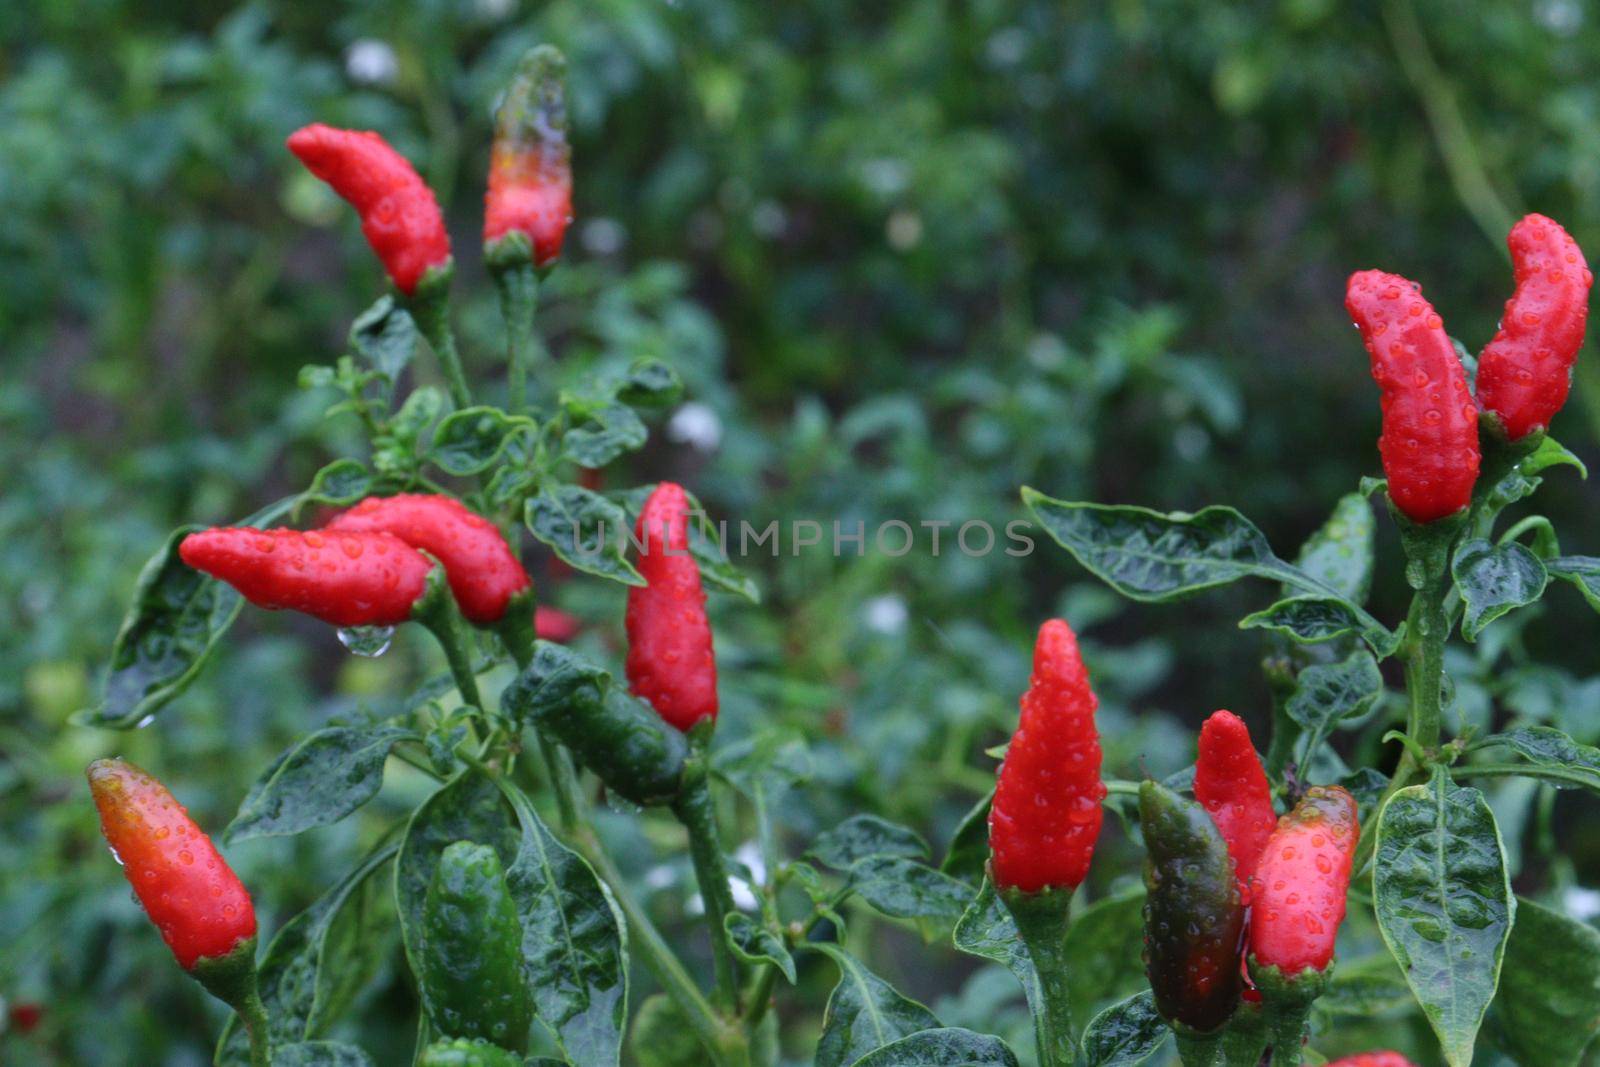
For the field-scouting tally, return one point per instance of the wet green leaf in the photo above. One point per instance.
(865, 835)
(1313, 619)
(1548, 1008)
(754, 942)
(1103, 948)
(864, 1012)
(1327, 694)
(468, 441)
(969, 845)
(1340, 553)
(585, 530)
(324, 777)
(1494, 579)
(902, 888)
(943, 1047)
(1125, 1034)
(1444, 903)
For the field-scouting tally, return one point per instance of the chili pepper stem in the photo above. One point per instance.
(1428, 550)
(430, 307)
(517, 282)
(232, 980)
(1286, 1001)
(1042, 920)
(1196, 1049)
(516, 629)
(436, 610)
(697, 812)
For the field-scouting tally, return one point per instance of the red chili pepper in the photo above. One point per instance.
(670, 660)
(1525, 372)
(1301, 882)
(345, 579)
(201, 908)
(1231, 785)
(398, 211)
(530, 165)
(1046, 814)
(553, 624)
(484, 573)
(25, 1017)
(1373, 1059)
(1430, 424)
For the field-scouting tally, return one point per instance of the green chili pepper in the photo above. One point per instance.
(1194, 920)
(613, 733)
(471, 967)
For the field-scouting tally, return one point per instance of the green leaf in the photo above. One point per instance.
(384, 337)
(1366, 989)
(1548, 1007)
(1149, 556)
(1326, 694)
(1495, 579)
(1581, 571)
(864, 1012)
(969, 846)
(320, 1054)
(601, 433)
(650, 383)
(1551, 453)
(1340, 553)
(902, 888)
(754, 942)
(319, 960)
(177, 618)
(468, 441)
(1102, 947)
(1569, 762)
(342, 482)
(1312, 619)
(866, 835)
(1125, 1034)
(987, 930)
(573, 940)
(943, 1047)
(585, 530)
(705, 545)
(421, 408)
(1444, 904)
(320, 780)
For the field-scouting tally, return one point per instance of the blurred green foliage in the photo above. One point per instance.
(906, 257)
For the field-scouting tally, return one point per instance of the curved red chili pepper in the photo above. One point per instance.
(345, 579)
(201, 908)
(1231, 785)
(484, 573)
(399, 214)
(530, 164)
(1046, 815)
(670, 659)
(1525, 372)
(1301, 882)
(1430, 424)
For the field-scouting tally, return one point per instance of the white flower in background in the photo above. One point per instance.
(744, 893)
(885, 614)
(696, 425)
(1580, 903)
(660, 876)
(371, 62)
(602, 236)
(904, 230)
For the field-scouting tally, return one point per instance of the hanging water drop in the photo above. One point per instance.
(370, 641)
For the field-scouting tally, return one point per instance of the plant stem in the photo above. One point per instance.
(1427, 627)
(438, 614)
(430, 306)
(518, 286)
(725, 1045)
(697, 811)
(1041, 920)
(518, 634)
(253, 1014)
